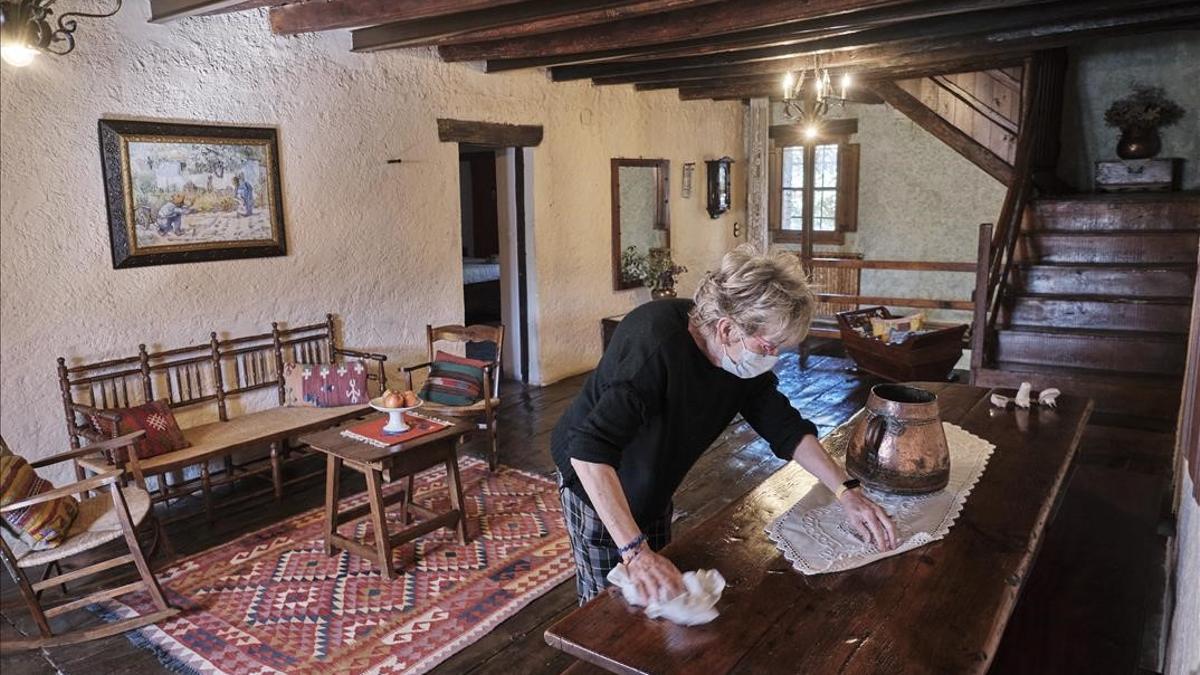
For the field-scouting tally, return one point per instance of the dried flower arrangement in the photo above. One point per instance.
(1146, 108)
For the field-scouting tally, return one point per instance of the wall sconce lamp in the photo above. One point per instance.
(25, 30)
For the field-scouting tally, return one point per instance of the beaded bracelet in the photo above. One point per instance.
(633, 545)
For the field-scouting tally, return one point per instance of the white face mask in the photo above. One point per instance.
(752, 364)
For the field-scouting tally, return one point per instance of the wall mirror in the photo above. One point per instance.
(640, 213)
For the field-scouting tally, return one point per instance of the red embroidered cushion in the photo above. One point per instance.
(163, 434)
(325, 385)
(454, 380)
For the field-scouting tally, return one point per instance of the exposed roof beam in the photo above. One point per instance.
(699, 22)
(574, 21)
(428, 31)
(316, 15)
(882, 43)
(780, 34)
(970, 49)
(1002, 24)
(162, 11)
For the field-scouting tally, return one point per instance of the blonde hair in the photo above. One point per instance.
(757, 292)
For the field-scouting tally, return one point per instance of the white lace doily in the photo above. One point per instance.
(813, 533)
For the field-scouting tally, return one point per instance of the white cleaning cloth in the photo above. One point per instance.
(694, 606)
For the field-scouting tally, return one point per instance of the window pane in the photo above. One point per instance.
(793, 210)
(793, 167)
(825, 172)
(825, 204)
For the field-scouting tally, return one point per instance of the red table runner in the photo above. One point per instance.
(372, 432)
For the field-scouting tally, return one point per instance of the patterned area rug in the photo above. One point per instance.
(272, 601)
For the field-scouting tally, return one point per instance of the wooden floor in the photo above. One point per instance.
(1085, 608)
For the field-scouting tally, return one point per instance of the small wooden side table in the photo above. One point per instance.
(379, 465)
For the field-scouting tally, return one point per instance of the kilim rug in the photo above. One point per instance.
(272, 601)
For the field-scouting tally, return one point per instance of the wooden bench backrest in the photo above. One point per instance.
(196, 375)
(841, 280)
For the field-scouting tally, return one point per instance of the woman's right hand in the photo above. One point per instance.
(654, 576)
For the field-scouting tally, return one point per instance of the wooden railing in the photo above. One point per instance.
(854, 300)
(1037, 143)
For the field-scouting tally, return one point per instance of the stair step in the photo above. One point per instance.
(1148, 396)
(1058, 246)
(1166, 315)
(1099, 279)
(1141, 212)
(1100, 350)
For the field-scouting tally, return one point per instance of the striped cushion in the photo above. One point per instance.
(454, 380)
(40, 526)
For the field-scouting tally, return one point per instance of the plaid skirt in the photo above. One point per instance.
(595, 551)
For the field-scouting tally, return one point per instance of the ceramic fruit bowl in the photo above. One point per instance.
(396, 423)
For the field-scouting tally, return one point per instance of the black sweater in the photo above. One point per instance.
(656, 403)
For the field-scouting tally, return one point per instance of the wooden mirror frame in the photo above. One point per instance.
(662, 220)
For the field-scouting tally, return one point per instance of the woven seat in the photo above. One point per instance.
(96, 524)
(218, 439)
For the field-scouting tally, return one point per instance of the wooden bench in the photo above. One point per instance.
(211, 377)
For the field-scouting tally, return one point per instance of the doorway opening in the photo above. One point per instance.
(482, 299)
(495, 184)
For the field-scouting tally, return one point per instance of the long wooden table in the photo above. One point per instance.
(940, 608)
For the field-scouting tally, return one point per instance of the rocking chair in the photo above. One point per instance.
(114, 512)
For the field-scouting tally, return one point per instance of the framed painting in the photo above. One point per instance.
(188, 193)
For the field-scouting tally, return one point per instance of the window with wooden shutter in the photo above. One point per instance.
(813, 184)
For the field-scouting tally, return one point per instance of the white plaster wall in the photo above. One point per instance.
(1102, 71)
(917, 200)
(1183, 652)
(378, 244)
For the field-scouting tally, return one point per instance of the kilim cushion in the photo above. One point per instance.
(40, 526)
(325, 385)
(163, 434)
(454, 380)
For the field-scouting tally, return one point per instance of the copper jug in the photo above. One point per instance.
(899, 446)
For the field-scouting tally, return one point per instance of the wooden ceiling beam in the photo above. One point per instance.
(782, 34)
(429, 31)
(895, 60)
(685, 24)
(317, 15)
(1023, 22)
(554, 25)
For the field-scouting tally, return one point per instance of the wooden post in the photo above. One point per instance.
(218, 381)
(980, 324)
(144, 366)
(277, 340)
(332, 342)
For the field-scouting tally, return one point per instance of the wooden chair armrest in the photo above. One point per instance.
(88, 410)
(93, 483)
(110, 444)
(360, 355)
(409, 369)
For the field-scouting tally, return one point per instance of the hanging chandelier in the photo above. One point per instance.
(809, 94)
(25, 30)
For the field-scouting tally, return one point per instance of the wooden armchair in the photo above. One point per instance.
(114, 512)
(484, 411)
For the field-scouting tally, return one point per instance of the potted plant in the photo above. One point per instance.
(656, 269)
(1139, 117)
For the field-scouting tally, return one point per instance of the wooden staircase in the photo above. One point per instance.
(1098, 302)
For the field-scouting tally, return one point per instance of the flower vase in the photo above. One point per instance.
(1139, 143)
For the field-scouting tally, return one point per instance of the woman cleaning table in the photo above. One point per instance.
(674, 376)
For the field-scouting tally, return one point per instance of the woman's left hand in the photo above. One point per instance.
(869, 519)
